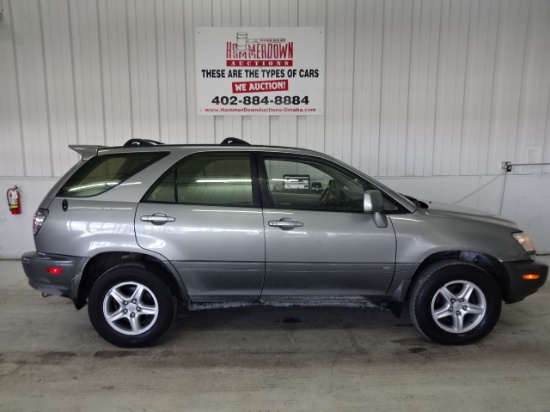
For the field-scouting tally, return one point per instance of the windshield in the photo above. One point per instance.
(407, 203)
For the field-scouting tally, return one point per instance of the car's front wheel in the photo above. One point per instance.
(455, 303)
(130, 306)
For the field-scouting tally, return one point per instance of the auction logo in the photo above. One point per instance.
(262, 52)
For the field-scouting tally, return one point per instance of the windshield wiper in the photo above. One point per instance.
(417, 203)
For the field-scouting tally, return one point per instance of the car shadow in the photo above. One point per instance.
(301, 318)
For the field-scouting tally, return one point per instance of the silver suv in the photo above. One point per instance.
(140, 230)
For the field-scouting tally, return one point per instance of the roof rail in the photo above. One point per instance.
(141, 142)
(233, 141)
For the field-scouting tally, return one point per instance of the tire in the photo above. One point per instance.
(129, 306)
(455, 303)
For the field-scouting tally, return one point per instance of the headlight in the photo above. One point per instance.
(525, 242)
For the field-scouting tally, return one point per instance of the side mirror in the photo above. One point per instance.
(373, 202)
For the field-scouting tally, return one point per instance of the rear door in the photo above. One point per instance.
(319, 243)
(204, 216)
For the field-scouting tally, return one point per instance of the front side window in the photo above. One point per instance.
(102, 173)
(313, 185)
(207, 179)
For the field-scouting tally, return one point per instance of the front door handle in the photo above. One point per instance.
(158, 218)
(286, 223)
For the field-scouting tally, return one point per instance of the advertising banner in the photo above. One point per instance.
(249, 71)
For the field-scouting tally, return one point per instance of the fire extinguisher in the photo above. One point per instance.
(14, 200)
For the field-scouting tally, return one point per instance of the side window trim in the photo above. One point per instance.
(257, 197)
(267, 202)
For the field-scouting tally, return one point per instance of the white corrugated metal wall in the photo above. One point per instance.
(414, 88)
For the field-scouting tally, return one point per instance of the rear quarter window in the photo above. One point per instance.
(102, 173)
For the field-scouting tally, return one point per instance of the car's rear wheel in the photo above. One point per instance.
(131, 307)
(455, 303)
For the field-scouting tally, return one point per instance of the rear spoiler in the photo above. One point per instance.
(85, 150)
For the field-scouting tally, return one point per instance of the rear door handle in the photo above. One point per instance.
(286, 223)
(158, 218)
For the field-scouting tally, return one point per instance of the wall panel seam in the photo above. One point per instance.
(73, 72)
(131, 94)
(157, 62)
(18, 87)
(46, 89)
(101, 74)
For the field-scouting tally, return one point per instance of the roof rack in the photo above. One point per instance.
(233, 141)
(141, 142)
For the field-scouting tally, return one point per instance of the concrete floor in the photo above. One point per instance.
(267, 359)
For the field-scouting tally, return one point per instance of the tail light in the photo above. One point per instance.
(39, 218)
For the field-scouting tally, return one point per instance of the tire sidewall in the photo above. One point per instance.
(440, 276)
(137, 274)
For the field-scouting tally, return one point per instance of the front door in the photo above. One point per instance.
(319, 243)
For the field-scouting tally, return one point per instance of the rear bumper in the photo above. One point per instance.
(519, 287)
(64, 284)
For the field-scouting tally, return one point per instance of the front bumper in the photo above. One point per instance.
(519, 287)
(64, 284)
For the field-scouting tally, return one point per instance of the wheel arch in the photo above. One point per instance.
(100, 263)
(484, 261)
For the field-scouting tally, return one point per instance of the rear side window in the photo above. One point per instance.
(102, 173)
(207, 179)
